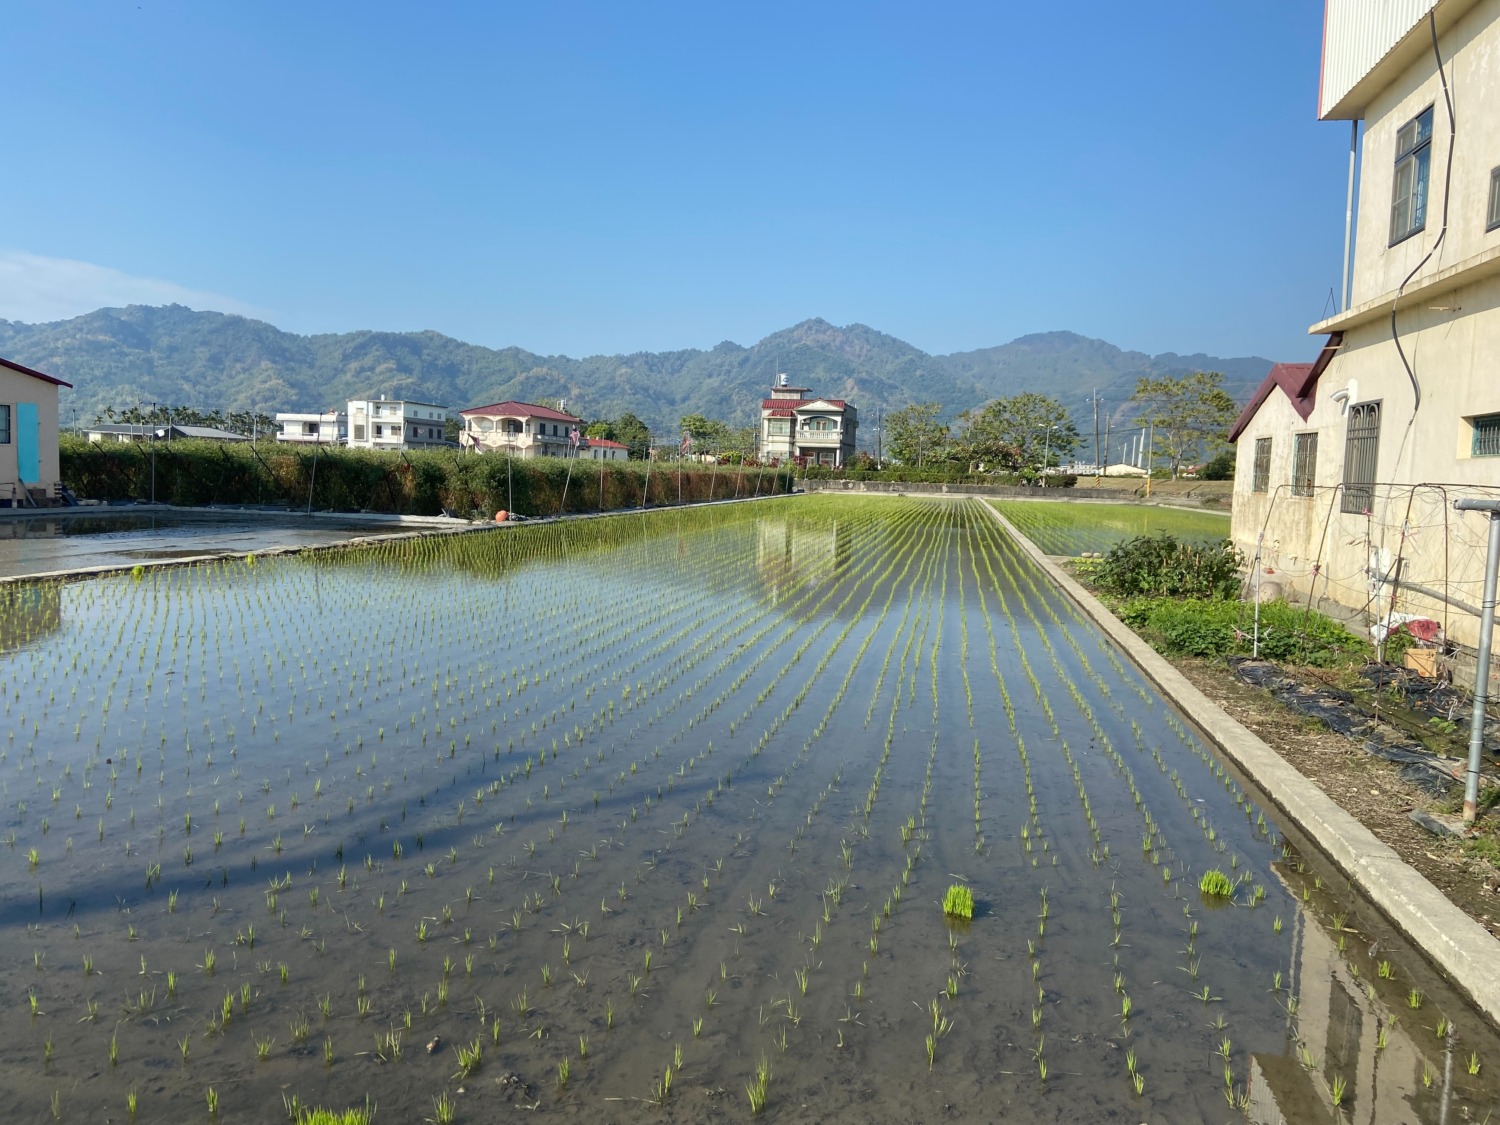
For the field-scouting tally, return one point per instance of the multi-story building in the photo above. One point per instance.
(810, 431)
(1347, 467)
(394, 424)
(522, 429)
(328, 428)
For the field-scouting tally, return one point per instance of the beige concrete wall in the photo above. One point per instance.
(1424, 462)
(1471, 56)
(16, 388)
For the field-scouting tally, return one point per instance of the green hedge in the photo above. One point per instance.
(419, 482)
(905, 475)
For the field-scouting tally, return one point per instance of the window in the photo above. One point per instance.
(359, 431)
(1361, 445)
(1260, 478)
(778, 427)
(1304, 464)
(1409, 188)
(1492, 220)
(1486, 435)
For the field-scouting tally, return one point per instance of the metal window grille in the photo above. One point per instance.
(1361, 447)
(4, 425)
(1487, 436)
(1260, 480)
(1493, 219)
(1304, 464)
(1409, 185)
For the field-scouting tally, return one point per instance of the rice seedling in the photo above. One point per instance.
(958, 902)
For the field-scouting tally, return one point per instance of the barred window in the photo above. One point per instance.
(1361, 448)
(1486, 436)
(4, 425)
(1304, 464)
(1260, 479)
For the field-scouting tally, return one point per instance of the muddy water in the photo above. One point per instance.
(684, 783)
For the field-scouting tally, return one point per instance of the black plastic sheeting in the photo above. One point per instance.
(1340, 711)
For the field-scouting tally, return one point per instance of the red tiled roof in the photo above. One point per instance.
(782, 407)
(1298, 381)
(34, 374)
(606, 443)
(513, 409)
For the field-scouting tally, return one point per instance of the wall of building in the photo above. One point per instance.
(1471, 58)
(1424, 461)
(15, 389)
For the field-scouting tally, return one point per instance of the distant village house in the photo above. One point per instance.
(521, 429)
(809, 431)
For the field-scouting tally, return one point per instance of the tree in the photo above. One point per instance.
(914, 435)
(631, 432)
(1019, 433)
(1191, 415)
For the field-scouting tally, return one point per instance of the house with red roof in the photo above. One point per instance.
(521, 429)
(1347, 468)
(29, 472)
(806, 430)
(603, 449)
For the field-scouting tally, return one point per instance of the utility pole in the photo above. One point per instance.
(879, 421)
(1150, 457)
(1105, 467)
(1486, 639)
(1096, 435)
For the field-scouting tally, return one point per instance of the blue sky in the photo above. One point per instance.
(611, 177)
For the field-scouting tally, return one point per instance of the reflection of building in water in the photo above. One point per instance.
(1341, 1027)
(28, 612)
(791, 555)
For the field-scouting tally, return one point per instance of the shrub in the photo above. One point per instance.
(1162, 566)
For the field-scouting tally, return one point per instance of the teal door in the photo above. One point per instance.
(28, 444)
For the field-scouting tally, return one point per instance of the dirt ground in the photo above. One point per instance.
(1368, 788)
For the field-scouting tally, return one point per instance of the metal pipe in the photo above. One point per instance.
(1482, 670)
(1347, 279)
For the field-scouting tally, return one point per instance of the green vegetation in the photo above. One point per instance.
(1161, 566)
(419, 482)
(1201, 627)
(1189, 413)
(1215, 884)
(1065, 527)
(959, 902)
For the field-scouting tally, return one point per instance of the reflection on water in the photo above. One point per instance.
(1358, 1050)
(28, 613)
(794, 555)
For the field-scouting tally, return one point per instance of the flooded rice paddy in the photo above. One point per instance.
(38, 544)
(1070, 527)
(649, 819)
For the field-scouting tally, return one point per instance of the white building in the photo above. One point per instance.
(602, 449)
(810, 431)
(329, 428)
(1347, 467)
(391, 424)
(522, 429)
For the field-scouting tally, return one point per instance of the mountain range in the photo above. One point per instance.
(208, 360)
